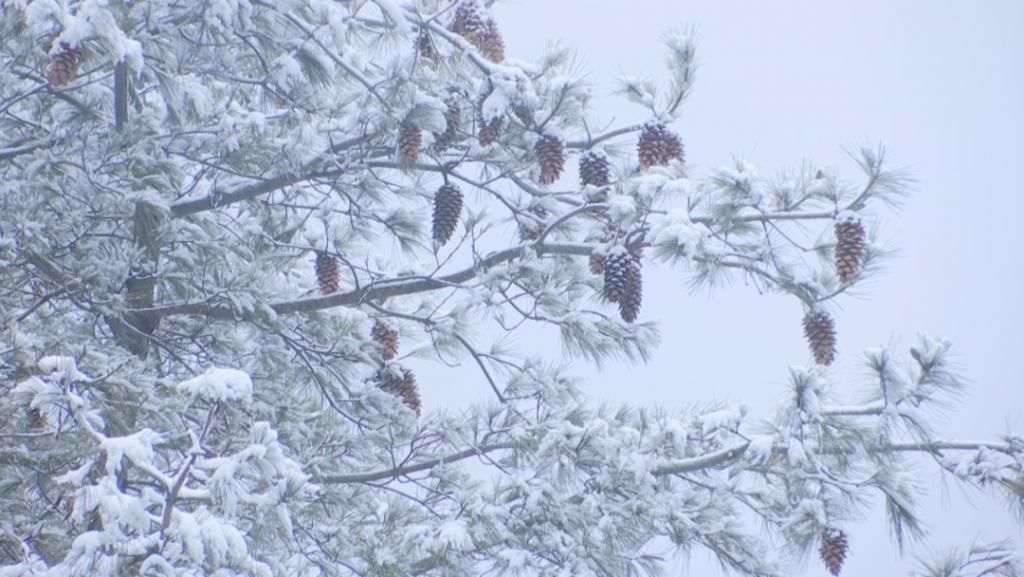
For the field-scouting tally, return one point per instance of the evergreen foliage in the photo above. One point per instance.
(188, 388)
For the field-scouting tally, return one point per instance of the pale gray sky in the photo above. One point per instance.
(941, 84)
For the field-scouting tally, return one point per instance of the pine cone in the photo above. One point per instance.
(849, 248)
(482, 33)
(447, 209)
(327, 272)
(387, 338)
(550, 151)
(467, 21)
(403, 386)
(658, 145)
(452, 117)
(63, 66)
(596, 263)
(595, 170)
(629, 306)
(409, 140)
(623, 282)
(490, 130)
(490, 42)
(834, 547)
(820, 331)
(425, 46)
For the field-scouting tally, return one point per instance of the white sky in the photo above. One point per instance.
(941, 84)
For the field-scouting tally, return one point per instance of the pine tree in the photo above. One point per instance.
(179, 402)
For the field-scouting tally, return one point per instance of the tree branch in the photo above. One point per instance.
(379, 290)
(715, 459)
(217, 199)
(409, 469)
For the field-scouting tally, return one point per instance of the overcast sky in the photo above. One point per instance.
(941, 85)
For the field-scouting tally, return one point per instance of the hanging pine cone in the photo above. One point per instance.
(403, 386)
(387, 338)
(452, 116)
(328, 272)
(467, 21)
(550, 152)
(849, 248)
(595, 170)
(623, 282)
(409, 140)
(490, 130)
(482, 33)
(490, 42)
(658, 145)
(834, 547)
(63, 66)
(447, 209)
(425, 46)
(820, 331)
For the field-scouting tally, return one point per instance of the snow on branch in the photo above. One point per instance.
(219, 385)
